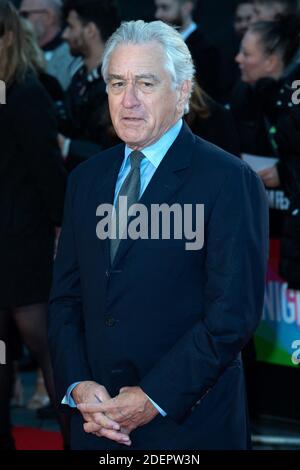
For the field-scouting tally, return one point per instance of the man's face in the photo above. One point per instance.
(143, 101)
(38, 15)
(74, 34)
(243, 18)
(267, 12)
(169, 11)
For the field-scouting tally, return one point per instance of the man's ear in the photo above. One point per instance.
(184, 94)
(91, 30)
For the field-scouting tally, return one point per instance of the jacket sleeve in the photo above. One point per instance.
(65, 325)
(236, 260)
(36, 132)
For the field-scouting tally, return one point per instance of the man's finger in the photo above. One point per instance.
(93, 428)
(109, 407)
(87, 417)
(105, 421)
(91, 407)
(115, 436)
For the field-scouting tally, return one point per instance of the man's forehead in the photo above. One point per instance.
(139, 54)
(137, 62)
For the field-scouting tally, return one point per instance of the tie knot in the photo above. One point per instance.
(135, 159)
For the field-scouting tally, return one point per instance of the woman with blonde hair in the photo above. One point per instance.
(35, 57)
(32, 185)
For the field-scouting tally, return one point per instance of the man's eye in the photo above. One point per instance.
(117, 84)
(147, 84)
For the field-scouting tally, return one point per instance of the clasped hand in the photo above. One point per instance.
(113, 418)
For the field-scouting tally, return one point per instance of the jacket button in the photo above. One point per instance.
(110, 322)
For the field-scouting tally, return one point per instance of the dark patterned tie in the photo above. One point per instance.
(131, 189)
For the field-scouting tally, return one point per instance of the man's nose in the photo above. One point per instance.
(238, 58)
(130, 98)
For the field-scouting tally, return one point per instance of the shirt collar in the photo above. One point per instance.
(188, 31)
(156, 152)
(94, 74)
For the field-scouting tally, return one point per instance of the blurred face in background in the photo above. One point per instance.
(75, 35)
(39, 15)
(253, 61)
(243, 18)
(169, 11)
(267, 12)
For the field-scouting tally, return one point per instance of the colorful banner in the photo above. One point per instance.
(278, 335)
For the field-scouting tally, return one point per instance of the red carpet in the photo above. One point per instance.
(37, 439)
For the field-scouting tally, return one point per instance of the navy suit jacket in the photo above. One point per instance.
(169, 320)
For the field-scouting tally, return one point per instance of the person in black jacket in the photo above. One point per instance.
(89, 129)
(257, 102)
(32, 185)
(206, 57)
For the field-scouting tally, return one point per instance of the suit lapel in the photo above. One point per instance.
(166, 181)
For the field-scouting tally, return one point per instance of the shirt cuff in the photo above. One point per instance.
(68, 400)
(162, 412)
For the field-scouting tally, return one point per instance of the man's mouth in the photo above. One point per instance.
(128, 118)
(132, 121)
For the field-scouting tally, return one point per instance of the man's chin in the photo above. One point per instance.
(131, 139)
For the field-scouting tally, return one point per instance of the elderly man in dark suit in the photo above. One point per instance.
(146, 325)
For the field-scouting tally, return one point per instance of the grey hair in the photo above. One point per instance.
(178, 57)
(56, 5)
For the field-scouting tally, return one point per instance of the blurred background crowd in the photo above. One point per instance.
(247, 59)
